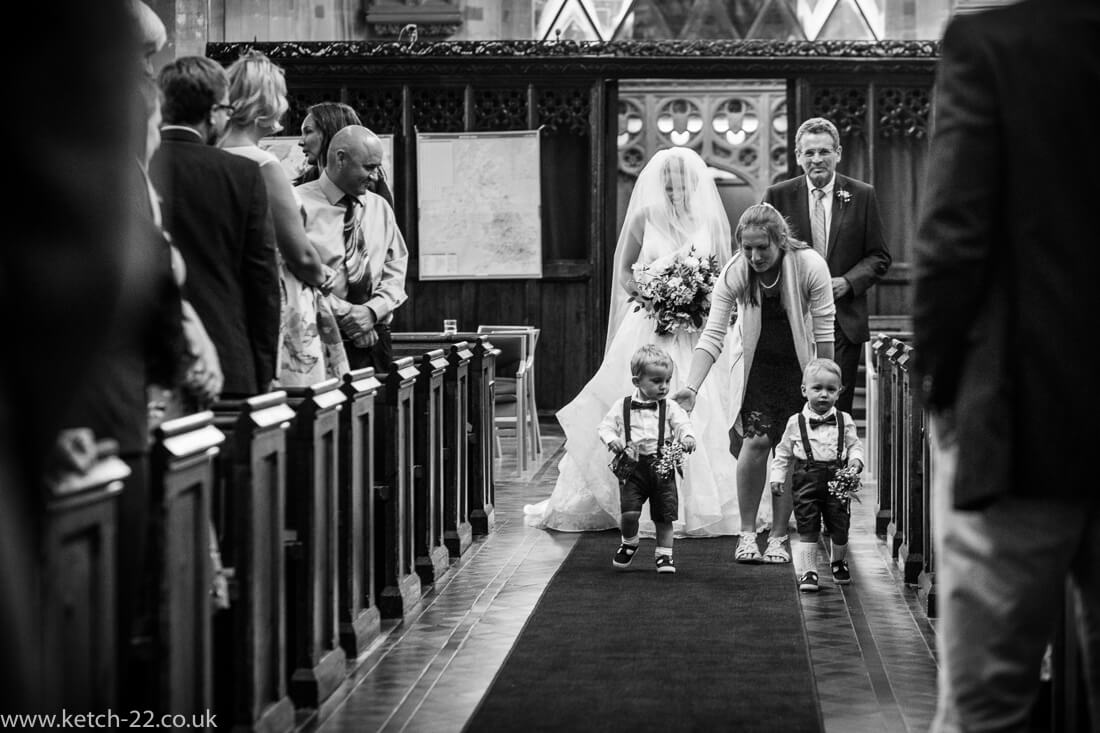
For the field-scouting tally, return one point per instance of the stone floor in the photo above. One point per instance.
(872, 646)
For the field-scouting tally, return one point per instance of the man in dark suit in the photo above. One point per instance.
(1005, 289)
(215, 209)
(839, 216)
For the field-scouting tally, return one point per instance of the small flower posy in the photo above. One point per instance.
(677, 295)
(671, 459)
(845, 483)
(844, 196)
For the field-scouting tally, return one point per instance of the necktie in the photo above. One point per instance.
(643, 405)
(355, 253)
(818, 222)
(816, 421)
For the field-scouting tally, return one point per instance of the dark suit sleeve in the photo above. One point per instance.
(260, 280)
(954, 251)
(876, 257)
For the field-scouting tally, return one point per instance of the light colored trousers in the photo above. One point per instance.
(1000, 582)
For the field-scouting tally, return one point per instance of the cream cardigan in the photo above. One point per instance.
(807, 295)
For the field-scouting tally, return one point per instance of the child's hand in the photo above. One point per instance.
(616, 446)
(856, 464)
(689, 444)
(777, 488)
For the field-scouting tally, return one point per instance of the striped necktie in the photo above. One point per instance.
(818, 222)
(355, 253)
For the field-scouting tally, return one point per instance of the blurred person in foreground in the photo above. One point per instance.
(1005, 288)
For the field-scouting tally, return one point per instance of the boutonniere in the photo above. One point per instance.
(844, 196)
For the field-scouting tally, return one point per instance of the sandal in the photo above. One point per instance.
(775, 552)
(746, 549)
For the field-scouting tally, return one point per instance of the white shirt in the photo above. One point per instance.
(388, 256)
(826, 202)
(823, 440)
(644, 424)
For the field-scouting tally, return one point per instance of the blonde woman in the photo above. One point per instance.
(310, 348)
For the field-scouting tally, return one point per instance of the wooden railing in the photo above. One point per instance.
(325, 508)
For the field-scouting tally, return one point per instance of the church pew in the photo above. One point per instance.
(480, 483)
(181, 485)
(77, 598)
(399, 594)
(916, 535)
(360, 620)
(432, 558)
(457, 533)
(895, 529)
(882, 427)
(250, 653)
(317, 660)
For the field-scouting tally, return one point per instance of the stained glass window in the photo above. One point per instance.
(605, 20)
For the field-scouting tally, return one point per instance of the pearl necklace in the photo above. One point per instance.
(774, 282)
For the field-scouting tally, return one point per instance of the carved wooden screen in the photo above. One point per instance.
(571, 90)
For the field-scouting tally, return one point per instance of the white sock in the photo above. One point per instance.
(805, 557)
(662, 551)
(632, 541)
(840, 552)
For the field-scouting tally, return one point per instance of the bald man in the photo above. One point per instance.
(356, 234)
(153, 35)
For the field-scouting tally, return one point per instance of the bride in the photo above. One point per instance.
(674, 207)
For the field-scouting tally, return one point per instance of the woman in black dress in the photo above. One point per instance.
(784, 304)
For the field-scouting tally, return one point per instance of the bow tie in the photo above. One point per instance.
(643, 405)
(830, 420)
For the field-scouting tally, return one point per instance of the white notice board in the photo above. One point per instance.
(479, 205)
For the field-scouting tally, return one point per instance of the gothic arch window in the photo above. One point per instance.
(606, 20)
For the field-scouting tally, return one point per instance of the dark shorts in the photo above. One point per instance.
(813, 503)
(644, 484)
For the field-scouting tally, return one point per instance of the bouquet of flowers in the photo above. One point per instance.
(671, 459)
(845, 483)
(677, 294)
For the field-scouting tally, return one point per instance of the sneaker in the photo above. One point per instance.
(664, 564)
(624, 555)
(841, 576)
(808, 582)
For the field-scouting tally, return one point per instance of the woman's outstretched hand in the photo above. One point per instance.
(685, 398)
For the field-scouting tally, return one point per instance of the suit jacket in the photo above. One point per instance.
(857, 248)
(1006, 263)
(145, 343)
(215, 209)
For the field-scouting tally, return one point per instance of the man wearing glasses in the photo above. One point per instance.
(216, 211)
(839, 217)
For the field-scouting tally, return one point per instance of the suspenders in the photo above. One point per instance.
(660, 423)
(806, 437)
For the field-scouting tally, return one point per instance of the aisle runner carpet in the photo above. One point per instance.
(716, 647)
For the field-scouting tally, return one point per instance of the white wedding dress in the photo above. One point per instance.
(586, 496)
